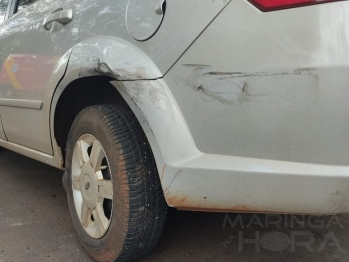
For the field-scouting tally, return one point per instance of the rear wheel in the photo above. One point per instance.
(114, 192)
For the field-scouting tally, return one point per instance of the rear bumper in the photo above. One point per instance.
(233, 184)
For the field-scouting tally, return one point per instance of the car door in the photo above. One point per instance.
(4, 4)
(28, 55)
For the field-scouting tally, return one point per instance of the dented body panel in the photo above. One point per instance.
(193, 180)
(272, 93)
(268, 111)
(96, 56)
(268, 134)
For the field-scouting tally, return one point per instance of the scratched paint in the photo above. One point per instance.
(237, 88)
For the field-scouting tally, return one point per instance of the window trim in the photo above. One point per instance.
(7, 11)
(12, 9)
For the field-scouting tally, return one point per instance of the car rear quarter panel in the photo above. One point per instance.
(106, 48)
(269, 85)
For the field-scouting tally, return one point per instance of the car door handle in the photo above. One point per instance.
(62, 17)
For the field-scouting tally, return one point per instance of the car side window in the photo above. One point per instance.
(24, 4)
(3, 8)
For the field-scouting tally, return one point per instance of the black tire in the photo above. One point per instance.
(139, 208)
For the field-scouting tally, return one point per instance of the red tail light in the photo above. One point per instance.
(271, 5)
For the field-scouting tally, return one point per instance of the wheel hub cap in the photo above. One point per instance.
(89, 184)
(92, 186)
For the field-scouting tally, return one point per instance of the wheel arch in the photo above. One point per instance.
(91, 66)
(145, 92)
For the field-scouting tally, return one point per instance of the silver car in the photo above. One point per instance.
(233, 106)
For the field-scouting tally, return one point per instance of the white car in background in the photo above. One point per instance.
(234, 106)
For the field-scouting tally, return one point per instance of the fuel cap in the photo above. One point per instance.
(144, 18)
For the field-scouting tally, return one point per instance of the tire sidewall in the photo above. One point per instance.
(87, 123)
